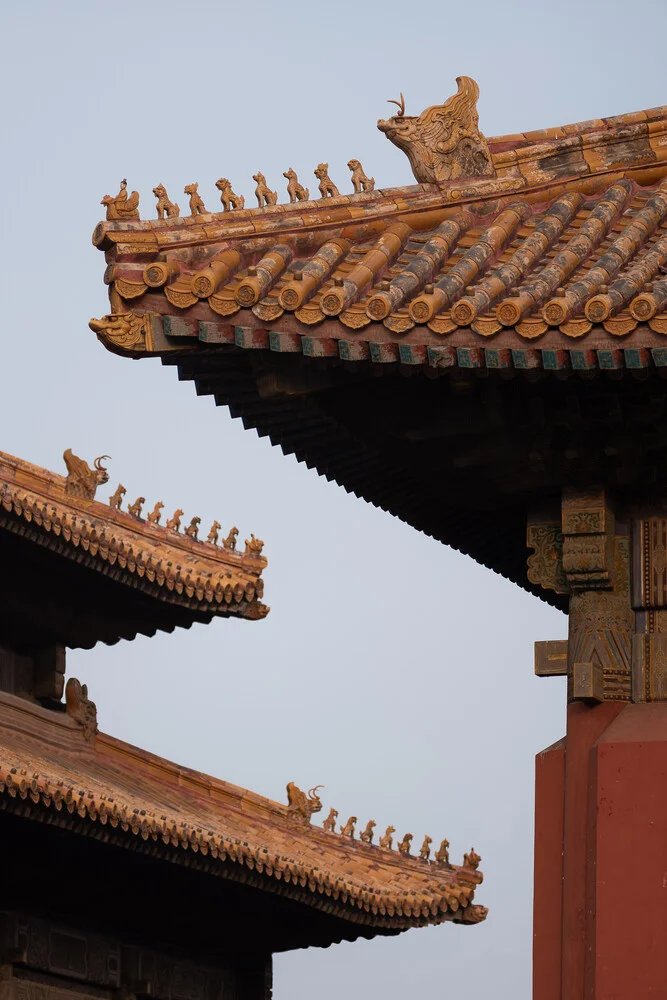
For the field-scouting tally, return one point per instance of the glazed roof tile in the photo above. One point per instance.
(123, 793)
(198, 579)
(568, 239)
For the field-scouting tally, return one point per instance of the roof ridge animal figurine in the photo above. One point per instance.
(192, 530)
(367, 834)
(263, 193)
(348, 829)
(442, 854)
(387, 840)
(165, 209)
(296, 191)
(135, 508)
(301, 806)
(214, 533)
(175, 522)
(230, 201)
(404, 845)
(443, 142)
(197, 206)
(326, 185)
(329, 823)
(425, 849)
(116, 498)
(230, 541)
(82, 481)
(360, 182)
(156, 513)
(122, 206)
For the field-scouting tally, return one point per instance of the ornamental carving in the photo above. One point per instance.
(472, 860)
(127, 331)
(80, 708)
(327, 187)
(296, 191)
(165, 209)
(360, 182)
(545, 566)
(301, 806)
(329, 823)
(197, 206)
(229, 200)
(425, 849)
(442, 854)
(367, 835)
(263, 193)
(443, 142)
(82, 481)
(588, 533)
(122, 206)
(387, 840)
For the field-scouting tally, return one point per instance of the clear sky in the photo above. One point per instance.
(391, 669)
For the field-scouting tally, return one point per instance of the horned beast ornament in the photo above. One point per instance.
(443, 142)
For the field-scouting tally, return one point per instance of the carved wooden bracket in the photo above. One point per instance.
(545, 566)
(649, 598)
(588, 540)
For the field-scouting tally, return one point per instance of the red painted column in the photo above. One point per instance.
(548, 887)
(627, 918)
(585, 724)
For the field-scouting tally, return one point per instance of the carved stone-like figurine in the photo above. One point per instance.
(135, 508)
(197, 206)
(348, 829)
(82, 481)
(227, 197)
(330, 822)
(404, 845)
(123, 206)
(472, 860)
(214, 533)
(442, 854)
(326, 185)
(80, 708)
(253, 546)
(387, 840)
(296, 191)
(165, 209)
(175, 522)
(262, 192)
(125, 330)
(425, 849)
(230, 540)
(116, 499)
(367, 834)
(192, 530)
(155, 514)
(300, 807)
(443, 142)
(360, 182)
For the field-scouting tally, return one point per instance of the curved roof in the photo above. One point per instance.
(510, 290)
(103, 573)
(128, 796)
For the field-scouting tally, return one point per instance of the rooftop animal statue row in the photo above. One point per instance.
(253, 547)
(123, 206)
(386, 841)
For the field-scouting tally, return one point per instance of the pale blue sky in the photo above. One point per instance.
(391, 669)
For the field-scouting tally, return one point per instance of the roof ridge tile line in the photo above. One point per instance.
(505, 277)
(632, 287)
(421, 269)
(111, 553)
(383, 252)
(473, 262)
(577, 250)
(623, 248)
(183, 836)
